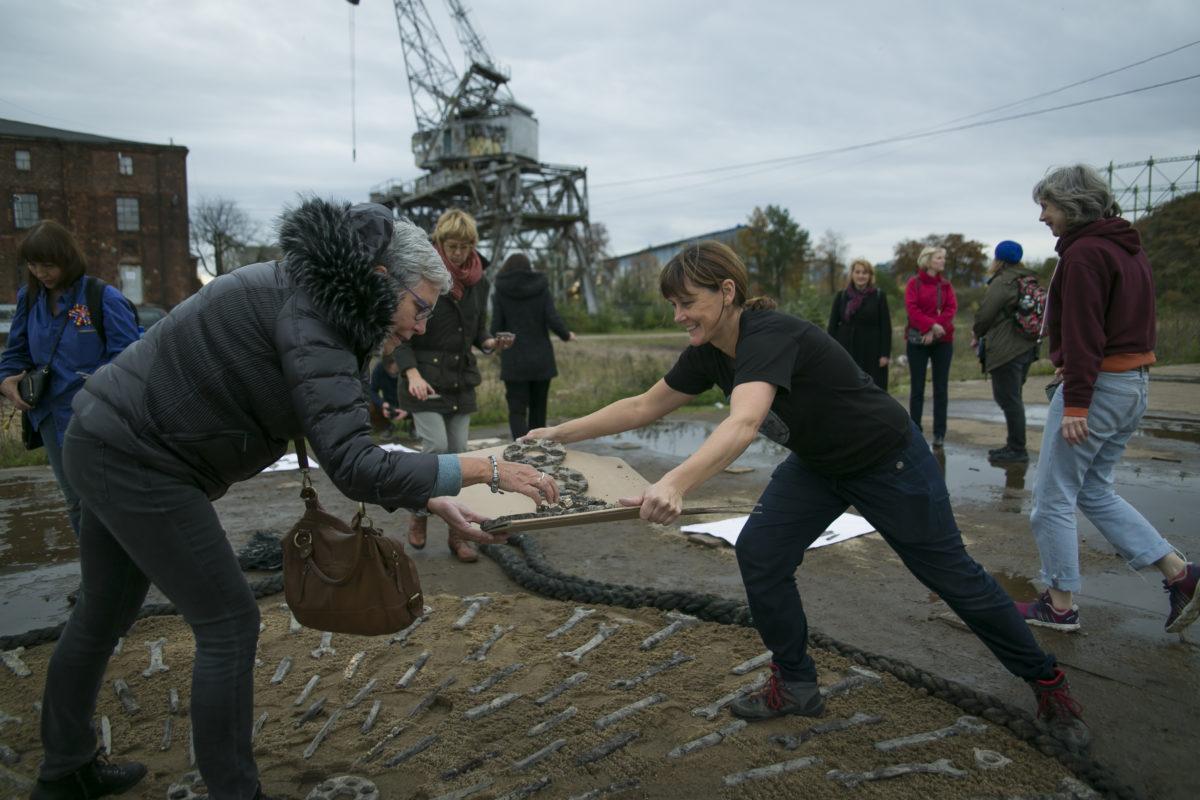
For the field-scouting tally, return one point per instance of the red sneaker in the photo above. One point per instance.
(1185, 602)
(1060, 713)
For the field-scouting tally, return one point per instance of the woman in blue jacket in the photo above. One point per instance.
(53, 325)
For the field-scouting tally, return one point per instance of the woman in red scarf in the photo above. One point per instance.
(438, 371)
(861, 322)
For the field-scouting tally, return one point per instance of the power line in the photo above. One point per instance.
(816, 154)
(900, 137)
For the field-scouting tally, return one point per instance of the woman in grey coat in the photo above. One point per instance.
(1007, 351)
(212, 395)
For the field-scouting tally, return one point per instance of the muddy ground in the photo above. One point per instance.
(1139, 686)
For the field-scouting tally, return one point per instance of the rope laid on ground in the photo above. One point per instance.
(526, 565)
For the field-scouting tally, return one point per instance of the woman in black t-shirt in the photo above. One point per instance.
(851, 444)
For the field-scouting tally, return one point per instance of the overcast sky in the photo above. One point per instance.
(633, 89)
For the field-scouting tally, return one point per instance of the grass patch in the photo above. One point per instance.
(12, 450)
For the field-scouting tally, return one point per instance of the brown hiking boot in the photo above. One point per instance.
(416, 532)
(463, 550)
(780, 697)
(1059, 713)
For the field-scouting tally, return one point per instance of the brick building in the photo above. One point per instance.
(126, 202)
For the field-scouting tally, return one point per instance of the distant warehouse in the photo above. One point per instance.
(126, 203)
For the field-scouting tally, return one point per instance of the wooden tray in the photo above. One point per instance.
(602, 515)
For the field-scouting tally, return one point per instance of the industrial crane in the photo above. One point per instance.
(479, 148)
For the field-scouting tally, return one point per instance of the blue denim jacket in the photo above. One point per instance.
(79, 354)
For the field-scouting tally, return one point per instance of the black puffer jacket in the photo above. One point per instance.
(522, 305)
(214, 392)
(442, 354)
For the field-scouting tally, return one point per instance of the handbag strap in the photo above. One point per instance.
(307, 492)
(939, 297)
(61, 330)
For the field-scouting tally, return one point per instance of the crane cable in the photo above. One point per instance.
(353, 104)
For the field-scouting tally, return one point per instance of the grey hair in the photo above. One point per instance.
(410, 258)
(1080, 192)
(927, 254)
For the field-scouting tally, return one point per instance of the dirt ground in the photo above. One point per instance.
(1139, 686)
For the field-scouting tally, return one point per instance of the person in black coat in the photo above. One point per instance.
(522, 308)
(861, 323)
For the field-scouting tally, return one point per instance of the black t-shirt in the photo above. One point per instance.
(826, 410)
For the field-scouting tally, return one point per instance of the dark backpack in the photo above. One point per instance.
(94, 297)
(1030, 312)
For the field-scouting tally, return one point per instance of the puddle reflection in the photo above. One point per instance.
(34, 528)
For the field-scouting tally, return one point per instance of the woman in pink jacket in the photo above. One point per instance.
(929, 299)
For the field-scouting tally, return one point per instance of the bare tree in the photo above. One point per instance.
(218, 229)
(831, 259)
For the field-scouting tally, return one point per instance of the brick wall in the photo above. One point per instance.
(78, 184)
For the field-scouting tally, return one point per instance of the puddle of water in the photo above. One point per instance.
(682, 438)
(34, 528)
(36, 598)
(1154, 425)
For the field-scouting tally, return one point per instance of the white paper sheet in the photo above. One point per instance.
(289, 461)
(847, 526)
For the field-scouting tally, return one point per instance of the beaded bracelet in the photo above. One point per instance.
(495, 483)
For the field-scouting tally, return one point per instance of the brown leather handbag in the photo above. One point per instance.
(346, 578)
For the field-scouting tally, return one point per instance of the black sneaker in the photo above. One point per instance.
(996, 450)
(1008, 455)
(780, 697)
(1059, 713)
(99, 778)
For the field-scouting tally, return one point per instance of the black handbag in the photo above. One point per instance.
(31, 438)
(914, 336)
(35, 383)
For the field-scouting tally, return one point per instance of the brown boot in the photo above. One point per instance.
(463, 550)
(416, 532)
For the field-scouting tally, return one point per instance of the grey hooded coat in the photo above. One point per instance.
(271, 351)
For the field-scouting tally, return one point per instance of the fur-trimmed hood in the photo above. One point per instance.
(331, 250)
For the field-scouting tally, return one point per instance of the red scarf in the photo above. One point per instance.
(466, 275)
(854, 299)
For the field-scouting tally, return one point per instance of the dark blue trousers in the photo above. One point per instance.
(907, 502)
(919, 356)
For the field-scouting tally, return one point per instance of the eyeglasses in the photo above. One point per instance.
(424, 310)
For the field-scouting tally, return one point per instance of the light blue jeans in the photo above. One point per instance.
(1082, 475)
(49, 432)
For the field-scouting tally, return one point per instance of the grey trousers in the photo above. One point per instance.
(49, 432)
(138, 526)
(442, 433)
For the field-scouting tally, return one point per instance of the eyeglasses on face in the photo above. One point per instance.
(424, 310)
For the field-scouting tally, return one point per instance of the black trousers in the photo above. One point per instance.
(1007, 381)
(526, 405)
(919, 356)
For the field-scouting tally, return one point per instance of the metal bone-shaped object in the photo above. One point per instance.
(344, 786)
(12, 660)
(258, 725)
(412, 671)
(990, 759)
(711, 710)
(310, 713)
(173, 700)
(771, 770)
(325, 647)
(607, 791)
(704, 742)
(475, 602)
(307, 690)
(491, 707)
(168, 727)
(569, 683)
(463, 794)
(860, 677)
(353, 665)
(964, 724)
(537, 756)
(675, 660)
(680, 622)
(119, 646)
(752, 664)
(321, 734)
(401, 638)
(608, 720)
(294, 625)
(418, 747)
(553, 722)
(526, 790)
(125, 695)
(494, 678)
(468, 766)
(480, 653)
(285, 666)
(190, 787)
(859, 718)
(604, 632)
(106, 735)
(362, 693)
(191, 745)
(425, 702)
(607, 748)
(372, 715)
(579, 616)
(943, 766)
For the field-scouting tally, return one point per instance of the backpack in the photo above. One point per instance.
(94, 298)
(1031, 307)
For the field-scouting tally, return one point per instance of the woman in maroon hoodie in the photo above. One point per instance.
(929, 299)
(1100, 319)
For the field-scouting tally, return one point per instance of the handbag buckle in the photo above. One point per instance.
(303, 542)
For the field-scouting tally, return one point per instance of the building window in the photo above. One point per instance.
(131, 282)
(25, 210)
(124, 164)
(127, 214)
(24, 162)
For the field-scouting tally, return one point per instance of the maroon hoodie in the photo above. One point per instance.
(1100, 315)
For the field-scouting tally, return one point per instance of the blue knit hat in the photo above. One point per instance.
(1009, 251)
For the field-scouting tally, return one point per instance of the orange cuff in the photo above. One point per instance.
(1075, 412)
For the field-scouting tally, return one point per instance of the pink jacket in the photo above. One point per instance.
(921, 301)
